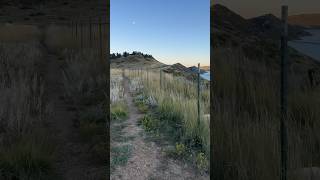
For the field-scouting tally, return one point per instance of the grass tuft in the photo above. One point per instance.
(120, 155)
(119, 111)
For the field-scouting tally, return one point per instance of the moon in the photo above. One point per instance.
(133, 22)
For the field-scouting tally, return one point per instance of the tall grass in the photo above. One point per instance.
(21, 88)
(118, 108)
(120, 151)
(23, 113)
(85, 76)
(116, 86)
(85, 80)
(246, 116)
(175, 103)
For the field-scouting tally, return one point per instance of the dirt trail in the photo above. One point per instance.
(147, 160)
(73, 157)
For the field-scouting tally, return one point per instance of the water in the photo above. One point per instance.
(311, 49)
(206, 75)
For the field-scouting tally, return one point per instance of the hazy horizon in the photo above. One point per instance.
(171, 31)
(254, 8)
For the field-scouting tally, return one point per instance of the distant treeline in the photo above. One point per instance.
(126, 54)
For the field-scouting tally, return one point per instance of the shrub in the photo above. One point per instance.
(180, 149)
(143, 108)
(118, 111)
(202, 161)
(149, 123)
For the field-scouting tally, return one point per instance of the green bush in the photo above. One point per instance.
(118, 111)
(201, 161)
(140, 103)
(149, 123)
(180, 149)
(143, 108)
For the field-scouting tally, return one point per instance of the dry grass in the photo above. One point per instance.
(174, 103)
(85, 79)
(116, 86)
(246, 119)
(59, 37)
(24, 154)
(21, 87)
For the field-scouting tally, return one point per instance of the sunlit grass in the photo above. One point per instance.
(173, 100)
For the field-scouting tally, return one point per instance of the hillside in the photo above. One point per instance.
(255, 37)
(305, 20)
(135, 62)
(229, 27)
(142, 62)
(269, 26)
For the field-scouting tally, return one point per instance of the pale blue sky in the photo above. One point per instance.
(171, 30)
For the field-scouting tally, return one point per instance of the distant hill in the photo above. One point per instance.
(142, 62)
(229, 27)
(270, 26)
(305, 20)
(180, 70)
(195, 69)
(206, 68)
(135, 61)
(228, 21)
(257, 37)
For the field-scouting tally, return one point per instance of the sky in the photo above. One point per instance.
(171, 30)
(253, 8)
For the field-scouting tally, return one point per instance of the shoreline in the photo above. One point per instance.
(308, 45)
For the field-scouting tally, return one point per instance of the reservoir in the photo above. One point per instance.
(206, 75)
(308, 45)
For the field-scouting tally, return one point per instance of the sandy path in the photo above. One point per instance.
(73, 157)
(147, 160)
